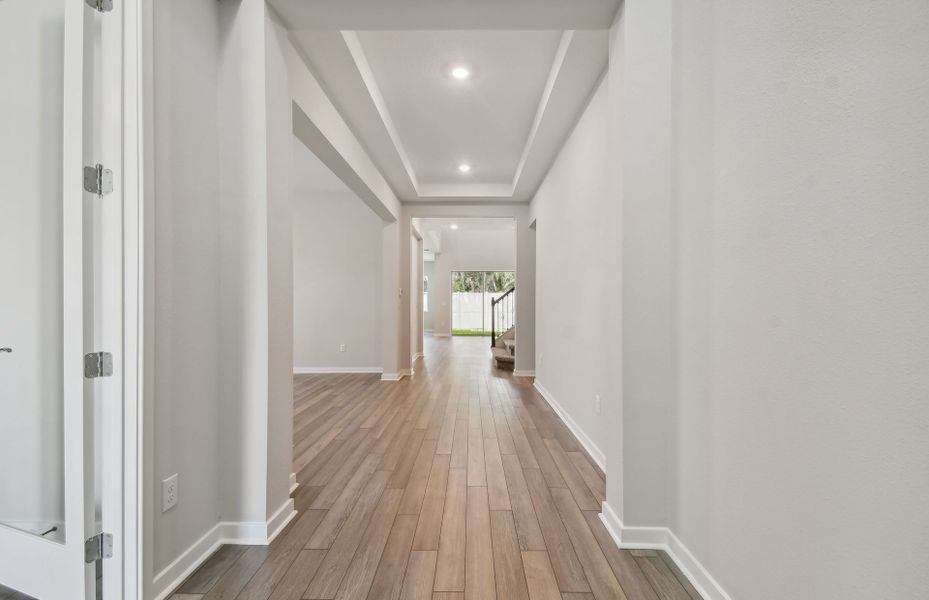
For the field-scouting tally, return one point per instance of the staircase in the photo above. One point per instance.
(503, 329)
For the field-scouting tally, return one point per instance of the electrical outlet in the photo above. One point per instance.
(169, 493)
(598, 406)
(341, 347)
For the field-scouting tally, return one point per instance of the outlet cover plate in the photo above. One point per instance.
(169, 493)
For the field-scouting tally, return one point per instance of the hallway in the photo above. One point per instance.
(459, 482)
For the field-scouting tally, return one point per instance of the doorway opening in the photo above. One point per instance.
(475, 297)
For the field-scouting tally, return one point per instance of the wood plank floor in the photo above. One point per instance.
(458, 483)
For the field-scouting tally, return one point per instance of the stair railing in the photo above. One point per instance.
(502, 315)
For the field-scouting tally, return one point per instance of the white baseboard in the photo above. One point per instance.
(595, 452)
(416, 357)
(325, 370)
(406, 372)
(391, 376)
(279, 520)
(293, 483)
(523, 373)
(253, 533)
(662, 538)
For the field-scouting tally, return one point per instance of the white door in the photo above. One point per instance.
(46, 405)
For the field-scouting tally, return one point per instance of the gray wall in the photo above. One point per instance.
(776, 275)
(219, 379)
(337, 282)
(573, 242)
(186, 377)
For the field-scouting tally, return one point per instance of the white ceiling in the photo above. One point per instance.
(390, 80)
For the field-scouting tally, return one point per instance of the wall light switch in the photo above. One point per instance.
(341, 347)
(169, 493)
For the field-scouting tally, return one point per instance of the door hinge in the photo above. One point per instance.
(98, 180)
(100, 5)
(98, 364)
(98, 547)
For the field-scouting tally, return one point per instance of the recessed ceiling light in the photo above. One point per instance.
(464, 167)
(454, 226)
(461, 72)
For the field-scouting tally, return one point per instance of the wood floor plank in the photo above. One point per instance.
(600, 576)
(233, 580)
(460, 444)
(497, 492)
(450, 563)
(477, 475)
(281, 557)
(662, 578)
(630, 576)
(331, 572)
(401, 472)
(528, 529)
(479, 562)
(508, 563)
(595, 483)
(415, 488)
(572, 478)
(299, 576)
(430, 517)
(567, 567)
(540, 578)
(343, 490)
(393, 563)
(542, 455)
(346, 504)
(419, 577)
(204, 578)
(363, 568)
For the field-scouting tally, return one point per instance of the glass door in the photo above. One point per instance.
(472, 293)
(46, 427)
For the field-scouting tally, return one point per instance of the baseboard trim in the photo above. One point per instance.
(416, 357)
(280, 519)
(595, 452)
(294, 484)
(662, 538)
(252, 533)
(406, 373)
(523, 373)
(327, 370)
(390, 377)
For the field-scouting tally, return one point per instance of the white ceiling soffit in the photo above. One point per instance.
(507, 121)
(447, 14)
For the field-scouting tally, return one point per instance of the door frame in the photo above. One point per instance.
(122, 484)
